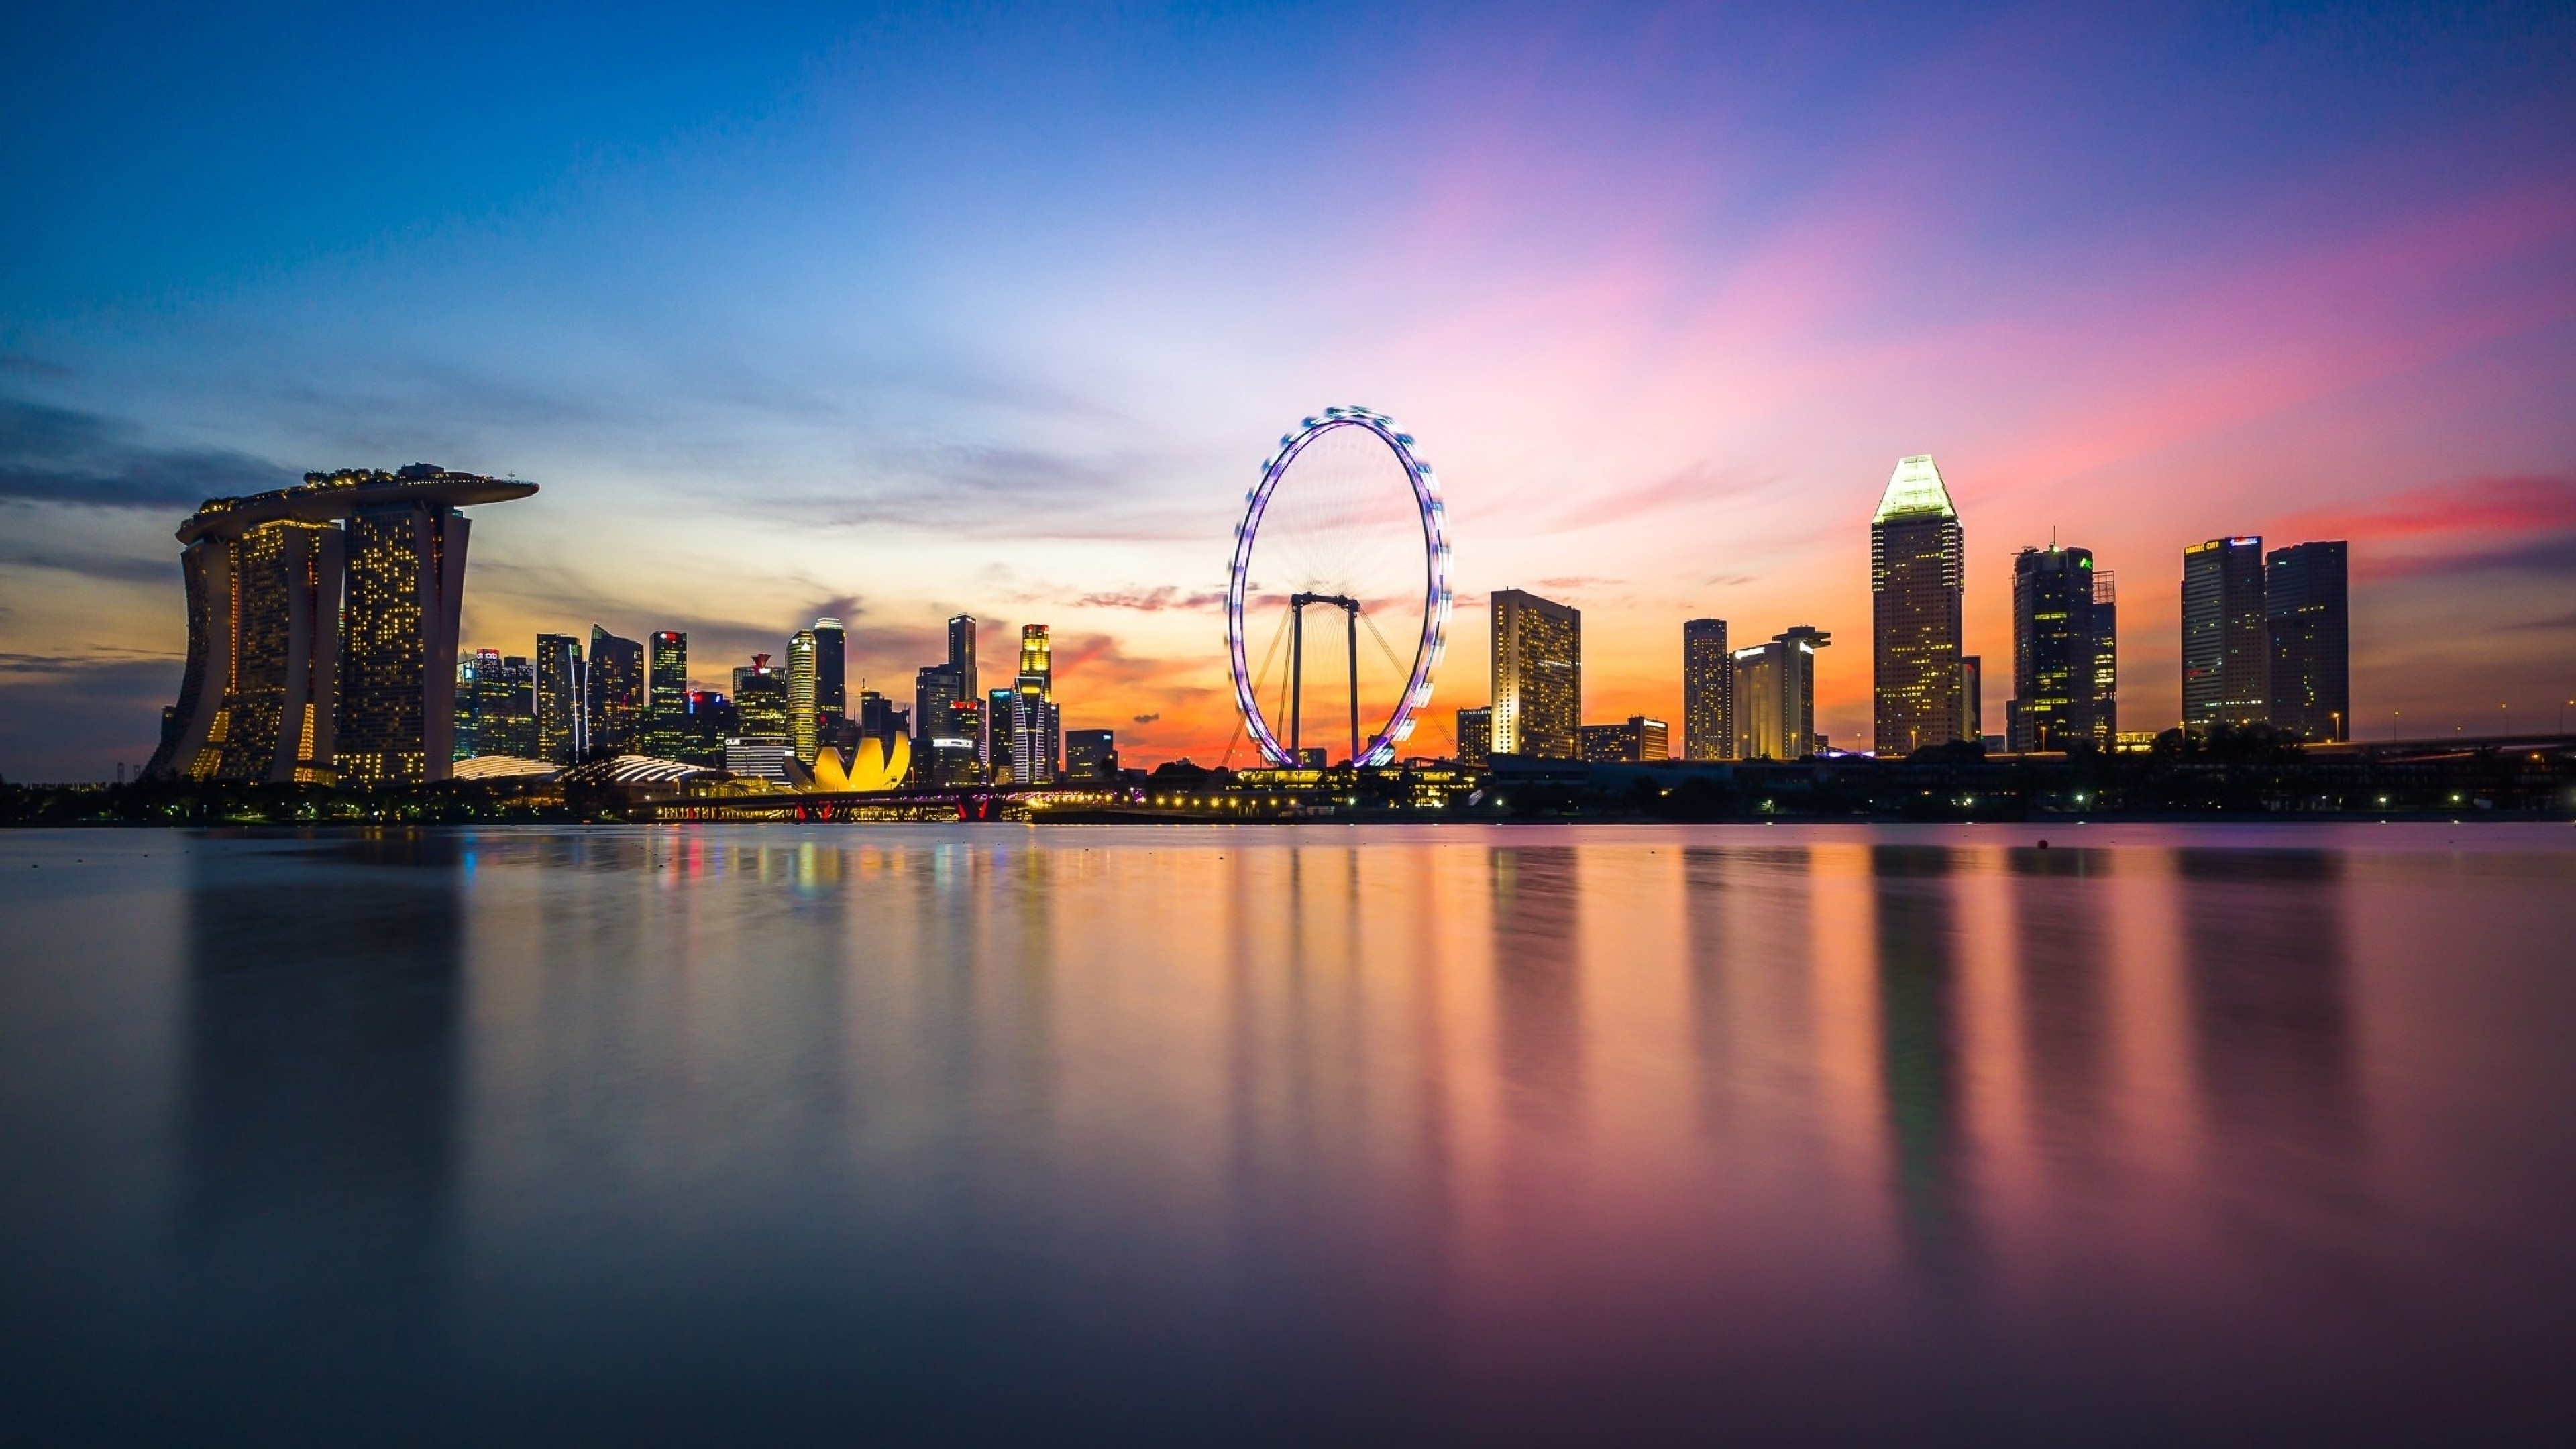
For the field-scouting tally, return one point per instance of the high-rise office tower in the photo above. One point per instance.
(308, 642)
(469, 714)
(760, 701)
(1917, 576)
(666, 694)
(1090, 756)
(712, 720)
(501, 691)
(563, 735)
(2056, 647)
(2106, 660)
(935, 693)
(1708, 692)
(954, 756)
(2226, 656)
(614, 702)
(1537, 676)
(1775, 696)
(804, 722)
(999, 706)
(1972, 697)
(1036, 742)
(2309, 625)
(961, 655)
(1476, 736)
(831, 655)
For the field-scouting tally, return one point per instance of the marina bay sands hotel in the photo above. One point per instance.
(322, 625)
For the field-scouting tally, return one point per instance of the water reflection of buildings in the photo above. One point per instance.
(1919, 1026)
(317, 1114)
(1538, 1005)
(2062, 951)
(2271, 1021)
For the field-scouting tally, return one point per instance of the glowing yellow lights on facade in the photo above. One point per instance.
(1917, 580)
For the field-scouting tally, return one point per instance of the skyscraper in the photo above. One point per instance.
(1972, 697)
(666, 695)
(961, 654)
(1537, 675)
(2308, 621)
(760, 701)
(1917, 576)
(309, 642)
(2106, 660)
(614, 701)
(1708, 692)
(504, 705)
(1476, 736)
(562, 735)
(804, 721)
(1775, 696)
(934, 694)
(1036, 741)
(955, 757)
(2226, 654)
(2056, 647)
(999, 706)
(831, 693)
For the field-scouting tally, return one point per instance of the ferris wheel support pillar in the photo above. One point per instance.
(1351, 622)
(1296, 682)
(1350, 608)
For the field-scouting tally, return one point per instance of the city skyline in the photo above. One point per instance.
(769, 318)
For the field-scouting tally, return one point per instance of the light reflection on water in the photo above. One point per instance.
(1284, 1134)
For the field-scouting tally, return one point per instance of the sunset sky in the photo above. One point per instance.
(997, 310)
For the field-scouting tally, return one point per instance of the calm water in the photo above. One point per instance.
(1290, 1134)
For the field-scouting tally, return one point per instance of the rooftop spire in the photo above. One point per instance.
(1915, 487)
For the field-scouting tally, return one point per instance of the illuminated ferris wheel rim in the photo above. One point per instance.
(1435, 580)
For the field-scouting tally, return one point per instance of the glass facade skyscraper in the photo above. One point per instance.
(961, 655)
(1037, 750)
(1537, 676)
(999, 706)
(666, 694)
(2226, 652)
(804, 723)
(2308, 622)
(760, 701)
(614, 701)
(562, 736)
(1917, 579)
(831, 691)
(1708, 692)
(2062, 650)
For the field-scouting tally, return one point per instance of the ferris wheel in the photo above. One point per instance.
(1345, 517)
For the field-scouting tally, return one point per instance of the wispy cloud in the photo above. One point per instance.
(58, 455)
(1151, 601)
